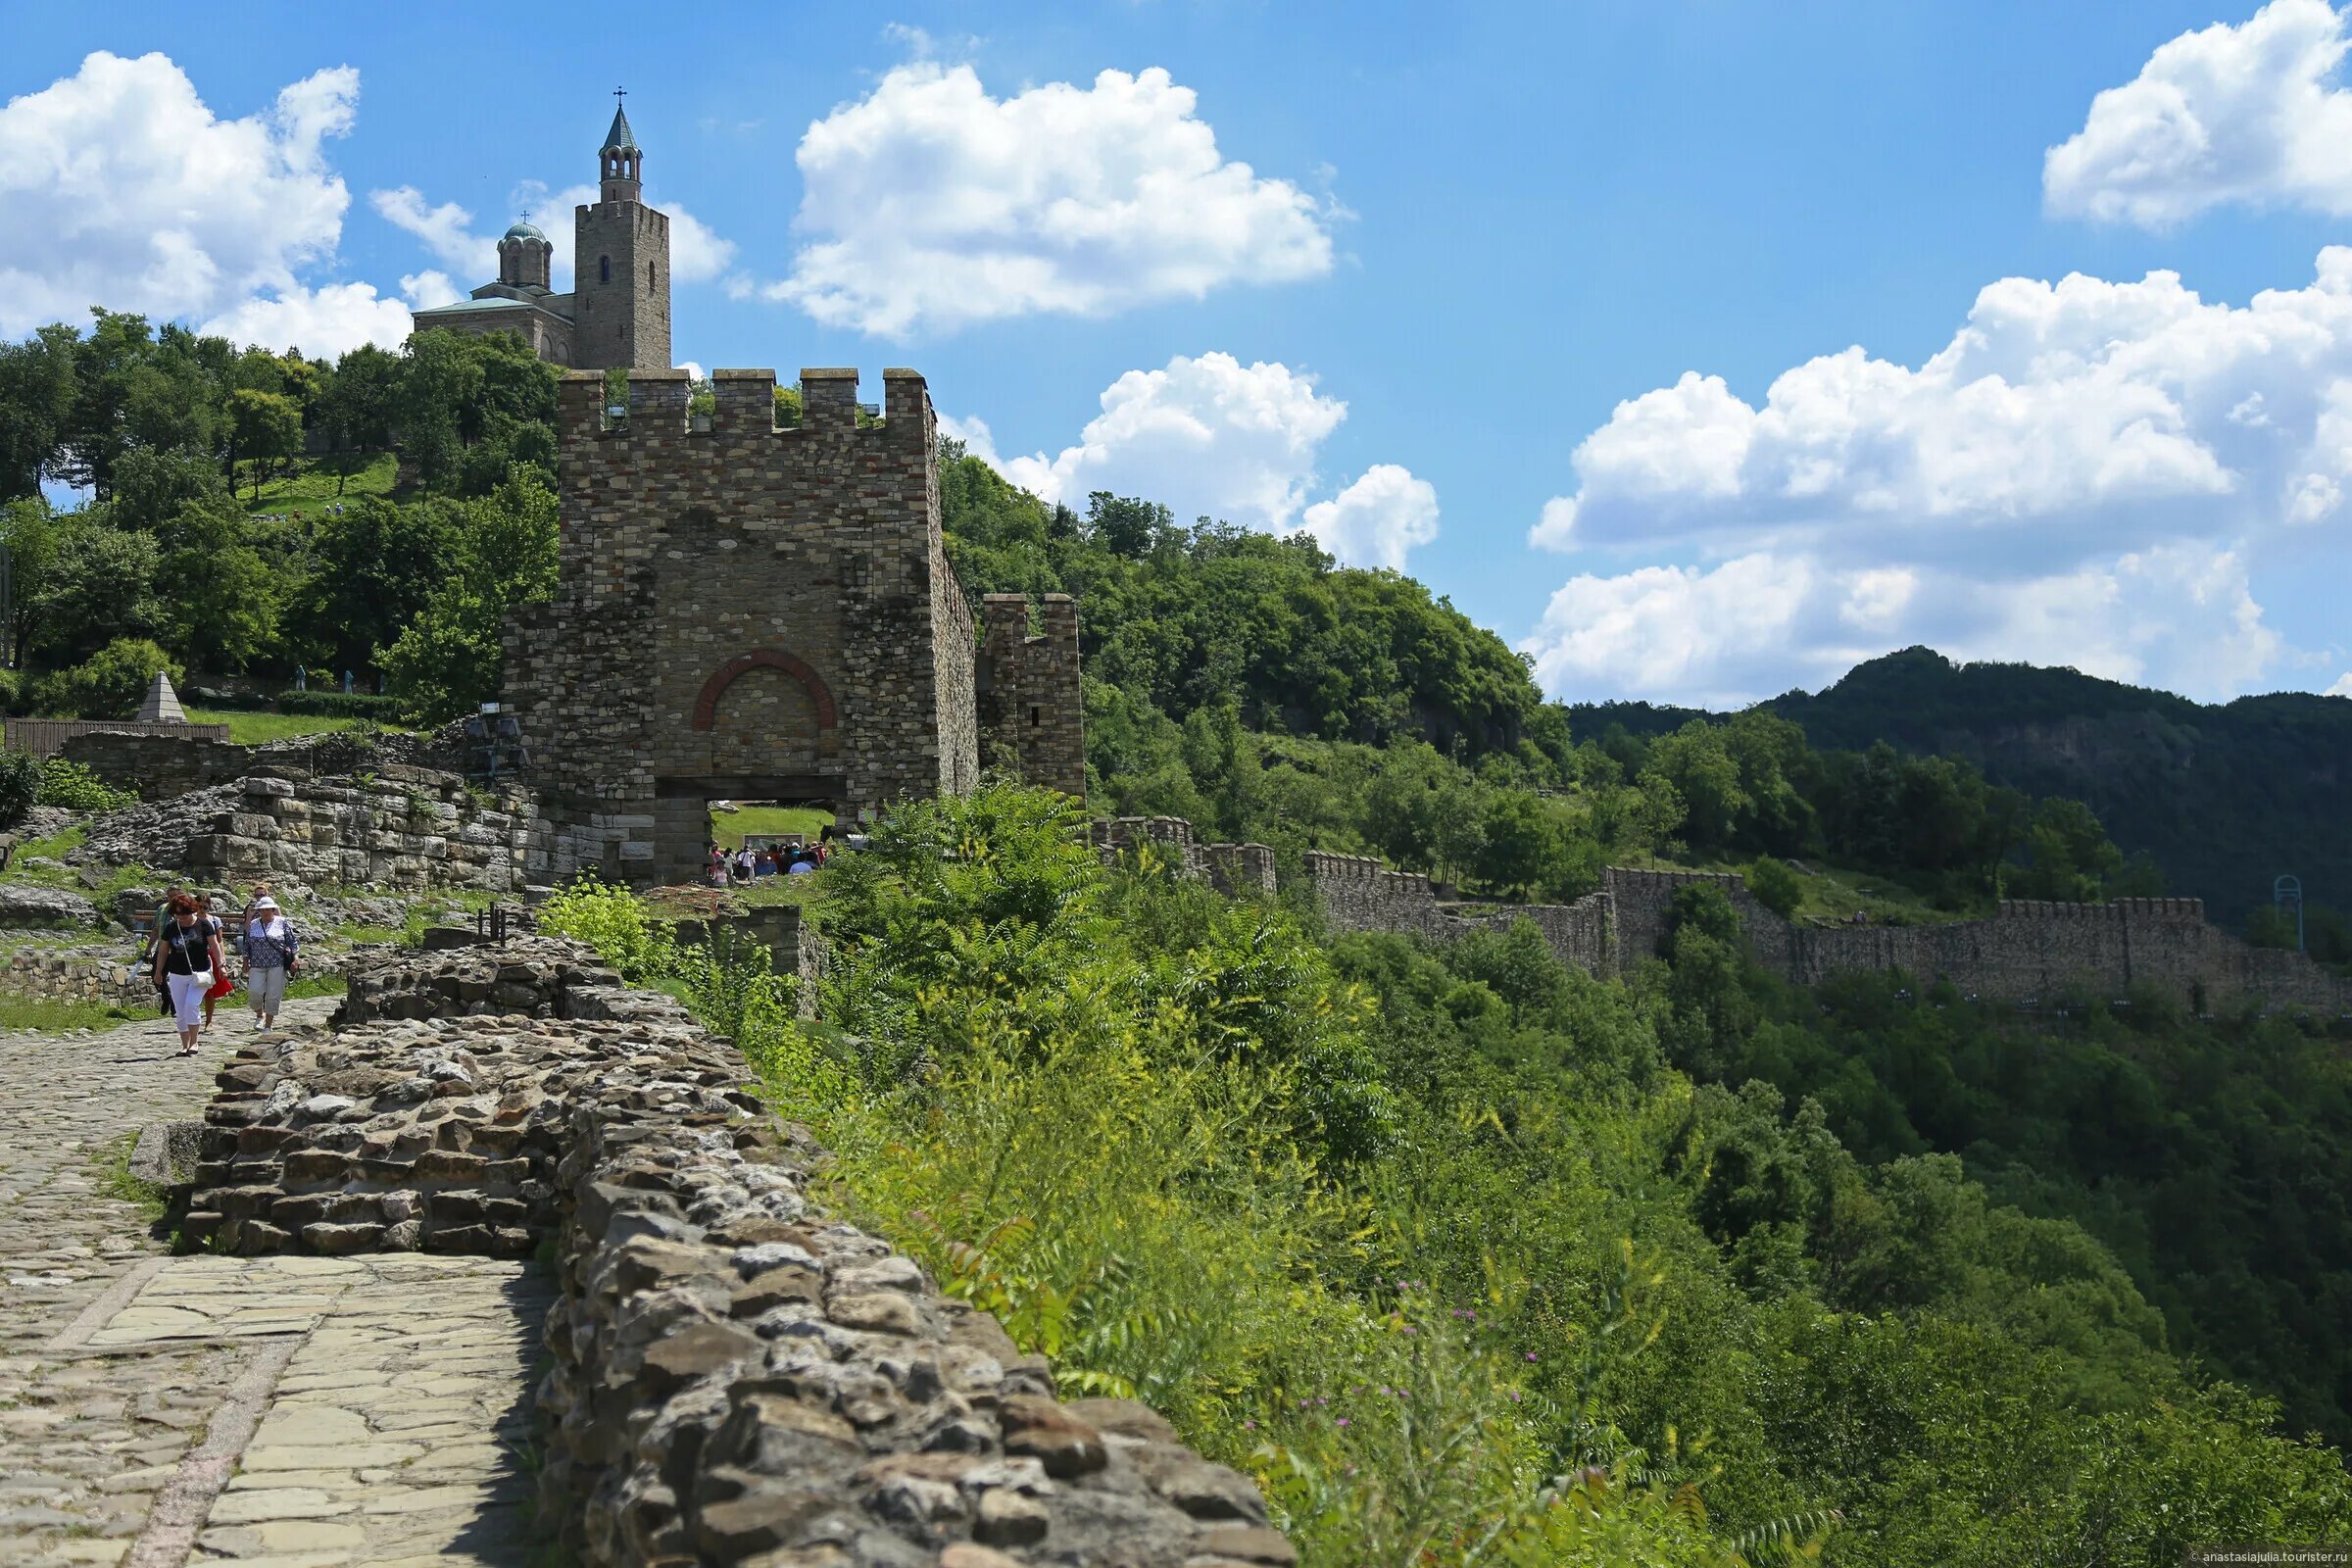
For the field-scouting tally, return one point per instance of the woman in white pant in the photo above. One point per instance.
(270, 959)
(187, 956)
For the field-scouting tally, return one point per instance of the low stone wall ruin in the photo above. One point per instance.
(396, 827)
(1231, 868)
(157, 765)
(530, 977)
(734, 1377)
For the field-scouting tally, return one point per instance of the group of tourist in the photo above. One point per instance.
(188, 960)
(748, 864)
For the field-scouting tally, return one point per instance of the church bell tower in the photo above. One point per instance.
(620, 264)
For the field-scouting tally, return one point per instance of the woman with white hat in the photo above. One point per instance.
(270, 959)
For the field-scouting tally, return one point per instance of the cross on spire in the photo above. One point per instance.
(620, 92)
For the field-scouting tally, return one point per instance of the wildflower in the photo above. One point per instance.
(1343, 1421)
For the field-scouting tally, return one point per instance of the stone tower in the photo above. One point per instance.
(621, 262)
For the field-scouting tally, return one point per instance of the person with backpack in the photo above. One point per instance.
(187, 956)
(270, 958)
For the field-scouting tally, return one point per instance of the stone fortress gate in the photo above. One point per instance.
(752, 613)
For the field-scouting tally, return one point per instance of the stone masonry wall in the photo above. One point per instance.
(734, 1377)
(1031, 711)
(155, 766)
(742, 611)
(401, 827)
(2026, 949)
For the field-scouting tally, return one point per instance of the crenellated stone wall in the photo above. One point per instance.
(2026, 949)
(1231, 868)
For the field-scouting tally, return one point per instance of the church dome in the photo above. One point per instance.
(525, 231)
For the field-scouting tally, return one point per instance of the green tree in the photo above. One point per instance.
(224, 595)
(32, 532)
(449, 658)
(1775, 886)
(99, 584)
(36, 400)
(109, 684)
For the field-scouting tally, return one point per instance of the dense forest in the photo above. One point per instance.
(1991, 1287)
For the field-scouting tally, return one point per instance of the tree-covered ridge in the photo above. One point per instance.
(1190, 618)
(2224, 798)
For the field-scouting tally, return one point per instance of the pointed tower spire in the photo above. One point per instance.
(620, 163)
(162, 706)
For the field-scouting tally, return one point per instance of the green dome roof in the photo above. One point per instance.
(525, 231)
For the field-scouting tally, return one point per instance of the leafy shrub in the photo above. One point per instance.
(109, 684)
(1775, 886)
(74, 787)
(614, 922)
(339, 705)
(12, 691)
(20, 786)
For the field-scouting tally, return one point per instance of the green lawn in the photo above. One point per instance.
(252, 729)
(51, 1016)
(312, 486)
(730, 827)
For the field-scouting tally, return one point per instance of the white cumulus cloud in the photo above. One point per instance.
(1210, 436)
(2180, 617)
(1376, 519)
(2081, 475)
(119, 187)
(930, 205)
(2254, 113)
(2063, 420)
(329, 320)
(2342, 686)
(446, 230)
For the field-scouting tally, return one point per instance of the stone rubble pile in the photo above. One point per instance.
(28, 905)
(532, 976)
(734, 1377)
(154, 833)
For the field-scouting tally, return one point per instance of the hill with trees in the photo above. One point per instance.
(2224, 797)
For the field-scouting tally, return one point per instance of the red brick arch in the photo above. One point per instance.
(706, 706)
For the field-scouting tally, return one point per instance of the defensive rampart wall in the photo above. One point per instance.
(2028, 949)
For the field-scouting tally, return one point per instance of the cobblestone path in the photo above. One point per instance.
(283, 1413)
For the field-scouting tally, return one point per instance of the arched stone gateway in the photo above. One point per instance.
(706, 706)
(752, 613)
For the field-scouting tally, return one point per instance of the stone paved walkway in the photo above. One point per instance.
(285, 1412)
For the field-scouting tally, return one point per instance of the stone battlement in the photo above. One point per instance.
(749, 611)
(2112, 909)
(2030, 947)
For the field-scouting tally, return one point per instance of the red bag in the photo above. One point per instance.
(221, 986)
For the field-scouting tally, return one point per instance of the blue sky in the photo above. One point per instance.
(1463, 238)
